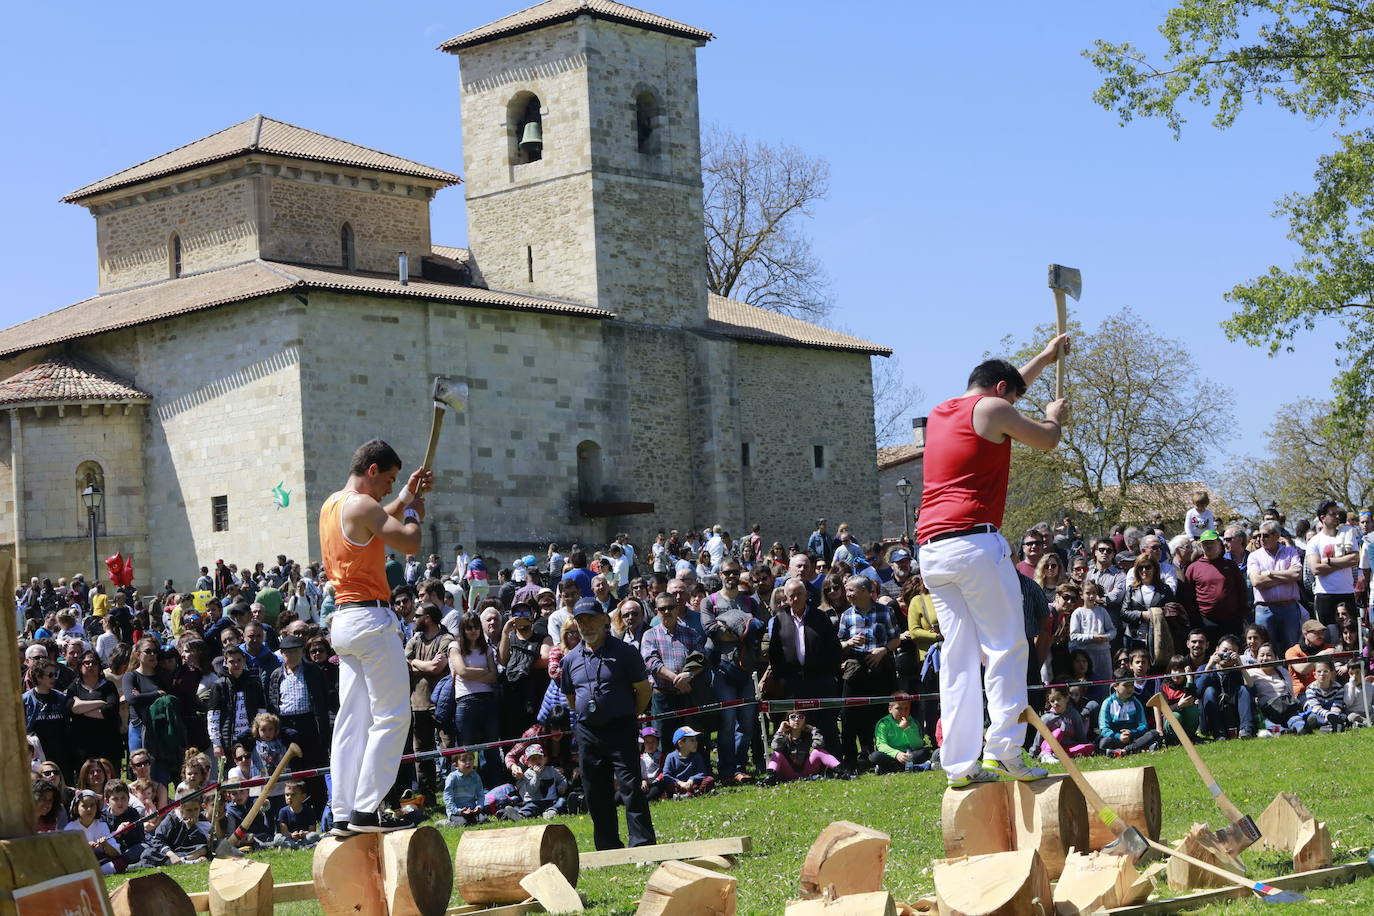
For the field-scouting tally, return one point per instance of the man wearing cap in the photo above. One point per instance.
(1313, 643)
(524, 657)
(1214, 589)
(606, 683)
(296, 693)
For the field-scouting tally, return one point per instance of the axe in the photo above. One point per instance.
(1242, 832)
(228, 847)
(447, 393)
(1063, 280)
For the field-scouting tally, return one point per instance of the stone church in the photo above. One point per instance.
(269, 297)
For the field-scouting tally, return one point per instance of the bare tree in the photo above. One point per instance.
(894, 402)
(756, 196)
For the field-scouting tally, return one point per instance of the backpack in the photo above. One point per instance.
(164, 735)
(445, 706)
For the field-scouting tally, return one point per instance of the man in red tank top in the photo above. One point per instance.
(374, 677)
(967, 564)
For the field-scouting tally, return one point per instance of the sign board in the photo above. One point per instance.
(81, 894)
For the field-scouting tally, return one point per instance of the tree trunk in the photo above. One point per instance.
(348, 875)
(1202, 844)
(417, 874)
(679, 889)
(1280, 822)
(849, 856)
(1051, 817)
(1312, 848)
(1133, 794)
(1000, 884)
(240, 887)
(977, 820)
(489, 864)
(873, 903)
(156, 893)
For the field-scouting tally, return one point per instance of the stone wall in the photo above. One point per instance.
(304, 221)
(891, 500)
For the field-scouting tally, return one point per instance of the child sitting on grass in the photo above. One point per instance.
(119, 812)
(1323, 703)
(1181, 695)
(1121, 721)
(685, 770)
(259, 833)
(463, 792)
(1145, 686)
(542, 789)
(651, 779)
(1272, 689)
(798, 752)
(1068, 726)
(897, 741)
(181, 837)
(298, 827)
(86, 819)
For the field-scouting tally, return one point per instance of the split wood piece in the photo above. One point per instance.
(488, 864)
(977, 820)
(1098, 880)
(662, 852)
(1322, 877)
(1133, 794)
(547, 885)
(926, 904)
(1280, 822)
(156, 893)
(347, 873)
(1051, 817)
(509, 909)
(999, 884)
(679, 889)
(848, 856)
(1312, 849)
(719, 863)
(417, 874)
(872, 903)
(289, 892)
(1202, 844)
(240, 887)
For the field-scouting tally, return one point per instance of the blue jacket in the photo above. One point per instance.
(1116, 717)
(682, 769)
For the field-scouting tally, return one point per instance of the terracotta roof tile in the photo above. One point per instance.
(260, 134)
(461, 255)
(552, 11)
(747, 322)
(892, 455)
(66, 380)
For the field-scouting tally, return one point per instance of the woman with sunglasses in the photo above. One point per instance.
(46, 717)
(1146, 595)
(477, 715)
(142, 688)
(93, 707)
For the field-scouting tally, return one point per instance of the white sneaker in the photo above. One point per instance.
(1049, 758)
(1015, 768)
(1264, 733)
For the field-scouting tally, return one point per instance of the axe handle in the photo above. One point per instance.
(1062, 325)
(242, 830)
(1095, 801)
(435, 425)
(1208, 780)
(1263, 890)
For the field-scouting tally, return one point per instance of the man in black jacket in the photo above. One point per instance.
(234, 700)
(296, 694)
(804, 653)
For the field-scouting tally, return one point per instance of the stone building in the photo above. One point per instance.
(269, 297)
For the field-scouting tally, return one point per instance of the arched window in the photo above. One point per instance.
(90, 474)
(174, 255)
(588, 472)
(526, 117)
(348, 255)
(648, 124)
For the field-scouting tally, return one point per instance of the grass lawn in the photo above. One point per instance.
(1329, 772)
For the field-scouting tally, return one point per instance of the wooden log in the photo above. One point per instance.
(1312, 847)
(30, 860)
(1097, 880)
(240, 887)
(547, 885)
(488, 864)
(417, 874)
(977, 820)
(679, 889)
(1133, 794)
(156, 892)
(348, 875)
(1200, 843)
(847, 856)
(1051, 817)
(1322, 877)
(717, 863)
(662, 852)
(1280, 822)
(999, 884)
(873, 903)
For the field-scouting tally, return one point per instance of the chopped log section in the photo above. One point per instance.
(1133, 794)
(873, 903)
(240, 887)
(1201, 843)
(553, 892)
(1051, 817)
(1280, 822)
(977, 820)
(1312, 846)
(1000, 884)
(1099, 880)
(679, 889)
(847, 856)
(488, 864)
(348, 874)
(716, 863)
(417, 874)
(156, 893)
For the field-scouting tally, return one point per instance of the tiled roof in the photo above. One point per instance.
(260, 134)
(66, 380)
(749, 323)
(551, 11)
(461, 255)
(892, 455)
(241, 282)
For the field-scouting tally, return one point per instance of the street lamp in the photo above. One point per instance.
(904, 488)
(92, 497)
(1098, 514)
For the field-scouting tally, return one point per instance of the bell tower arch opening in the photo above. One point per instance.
(525, 116)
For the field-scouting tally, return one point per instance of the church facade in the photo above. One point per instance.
(269, 298)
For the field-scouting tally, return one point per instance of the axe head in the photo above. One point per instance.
(1237, 837)
(450, 393)
(1067, 279)
(227, 850)
(1131, 843)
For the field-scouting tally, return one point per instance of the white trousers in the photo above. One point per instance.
(977, 600)
(374, 708)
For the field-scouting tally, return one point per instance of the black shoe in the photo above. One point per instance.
(341, 829)
(375, 822)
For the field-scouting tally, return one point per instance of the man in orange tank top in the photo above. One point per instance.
(967, 565)
(374, 679)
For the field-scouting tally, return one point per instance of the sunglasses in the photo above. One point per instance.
(138, 763)
(240, 756)
(48, 773)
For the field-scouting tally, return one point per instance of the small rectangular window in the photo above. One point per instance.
(529, 262)
(219, 513)
(744, 454)
(818, 456)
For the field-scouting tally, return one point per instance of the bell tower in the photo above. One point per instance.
(582, 158)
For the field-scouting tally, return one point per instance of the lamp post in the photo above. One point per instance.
(92, 497)
(904, 488)
(1098, 513)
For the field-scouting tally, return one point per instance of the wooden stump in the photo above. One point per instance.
(848, 856)
(1097, 881)
(977, 820)
(240, 887)
(156, 893)
(1201, 843)
(1000, 884)
(348, 874)
(1133, 794)
(488, 864)
(553, 892)
(1312, 847)
(1051, 817)
(1280, 822)
(417, 874)
(873, 903)
(679, 889)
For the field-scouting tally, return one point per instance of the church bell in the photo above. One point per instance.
(532, 137)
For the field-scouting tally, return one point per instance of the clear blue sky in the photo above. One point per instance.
(965, 151)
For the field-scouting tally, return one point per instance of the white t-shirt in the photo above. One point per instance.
(463, 688)
(99, 830)
(1340, 582)
(1195, 522)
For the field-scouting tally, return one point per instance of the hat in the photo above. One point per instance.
(648, 730)
(587, 606)
(1209, 535)
(291, 642)
(534, 750)
(900, 555)
(1313, 626)
(685, 731)
(521, 604)
(544, 591)
(476, 564)
(529, 560)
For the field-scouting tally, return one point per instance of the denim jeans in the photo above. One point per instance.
(732, 745)
(1215, 720)
(478, 719)
(1284, 623)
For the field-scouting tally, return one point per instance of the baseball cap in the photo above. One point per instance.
(529, 559)
(685, 731)
(534, 750)
(587, 606)
(1209, 535)
(290, 642)
(648, 730)
(1313, 626)
(900, 555)
(520, 607)
(544, 591)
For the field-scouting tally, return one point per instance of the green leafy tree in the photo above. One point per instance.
(1316, 60)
